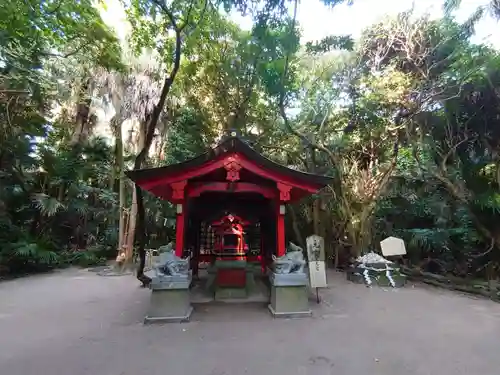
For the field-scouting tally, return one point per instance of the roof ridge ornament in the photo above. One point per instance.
(233, 168)
(233, 134)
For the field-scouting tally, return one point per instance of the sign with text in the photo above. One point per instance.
(392, 246)
(316, 257)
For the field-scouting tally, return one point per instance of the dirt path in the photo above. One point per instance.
(77, 323)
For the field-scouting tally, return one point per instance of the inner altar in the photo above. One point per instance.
(230, 276)
(230, 240)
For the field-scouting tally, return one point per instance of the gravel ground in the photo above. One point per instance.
(74, 322)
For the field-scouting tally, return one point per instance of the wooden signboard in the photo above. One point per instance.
(392, 246)
(316, 257)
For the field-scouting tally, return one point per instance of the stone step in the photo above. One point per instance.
(230, 293)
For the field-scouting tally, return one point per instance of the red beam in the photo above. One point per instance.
(186, 175)
(209, 257)
(237, 187)
(254, 168)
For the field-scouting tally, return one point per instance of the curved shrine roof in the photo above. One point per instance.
(230, 146)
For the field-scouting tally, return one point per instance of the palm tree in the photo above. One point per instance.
(132, 96)
(492, 8)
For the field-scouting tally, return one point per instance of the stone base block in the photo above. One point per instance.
(250, 280)
(212, 275)
(289, 315)
(288, 279)
(289, 301)
(169, 319)
(231, 277)
(377, 278)
(168, 306)
(230, 293)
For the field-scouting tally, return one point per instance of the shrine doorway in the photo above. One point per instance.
(257, 212)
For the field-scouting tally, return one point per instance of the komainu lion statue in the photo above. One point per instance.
(170, 264)
(292, 262)
(166, 248)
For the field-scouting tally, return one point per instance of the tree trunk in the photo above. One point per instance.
(295, 226)
(121, 181)
(141, 237)
(137, 214)
(316, 216)
(132, 223)
(132, 227)
(151, 122)
(82, 113)
(328, 235)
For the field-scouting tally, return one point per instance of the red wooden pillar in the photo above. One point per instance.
(284, 190)
(179, 230)
(280, 230)
(178, 195)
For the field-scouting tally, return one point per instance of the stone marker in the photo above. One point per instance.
(392, 246)
(316, 257)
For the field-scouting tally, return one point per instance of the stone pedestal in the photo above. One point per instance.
(231, 273)
(231, 280)
(170, 302)
(289, 295)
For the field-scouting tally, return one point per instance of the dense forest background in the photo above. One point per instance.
(406, 118)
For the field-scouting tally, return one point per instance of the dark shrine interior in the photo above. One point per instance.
(258, 211)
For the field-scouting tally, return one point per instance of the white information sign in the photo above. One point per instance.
(316, 257)
(317, 274)
(392, 246)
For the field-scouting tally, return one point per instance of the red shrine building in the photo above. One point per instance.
(230, 205)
